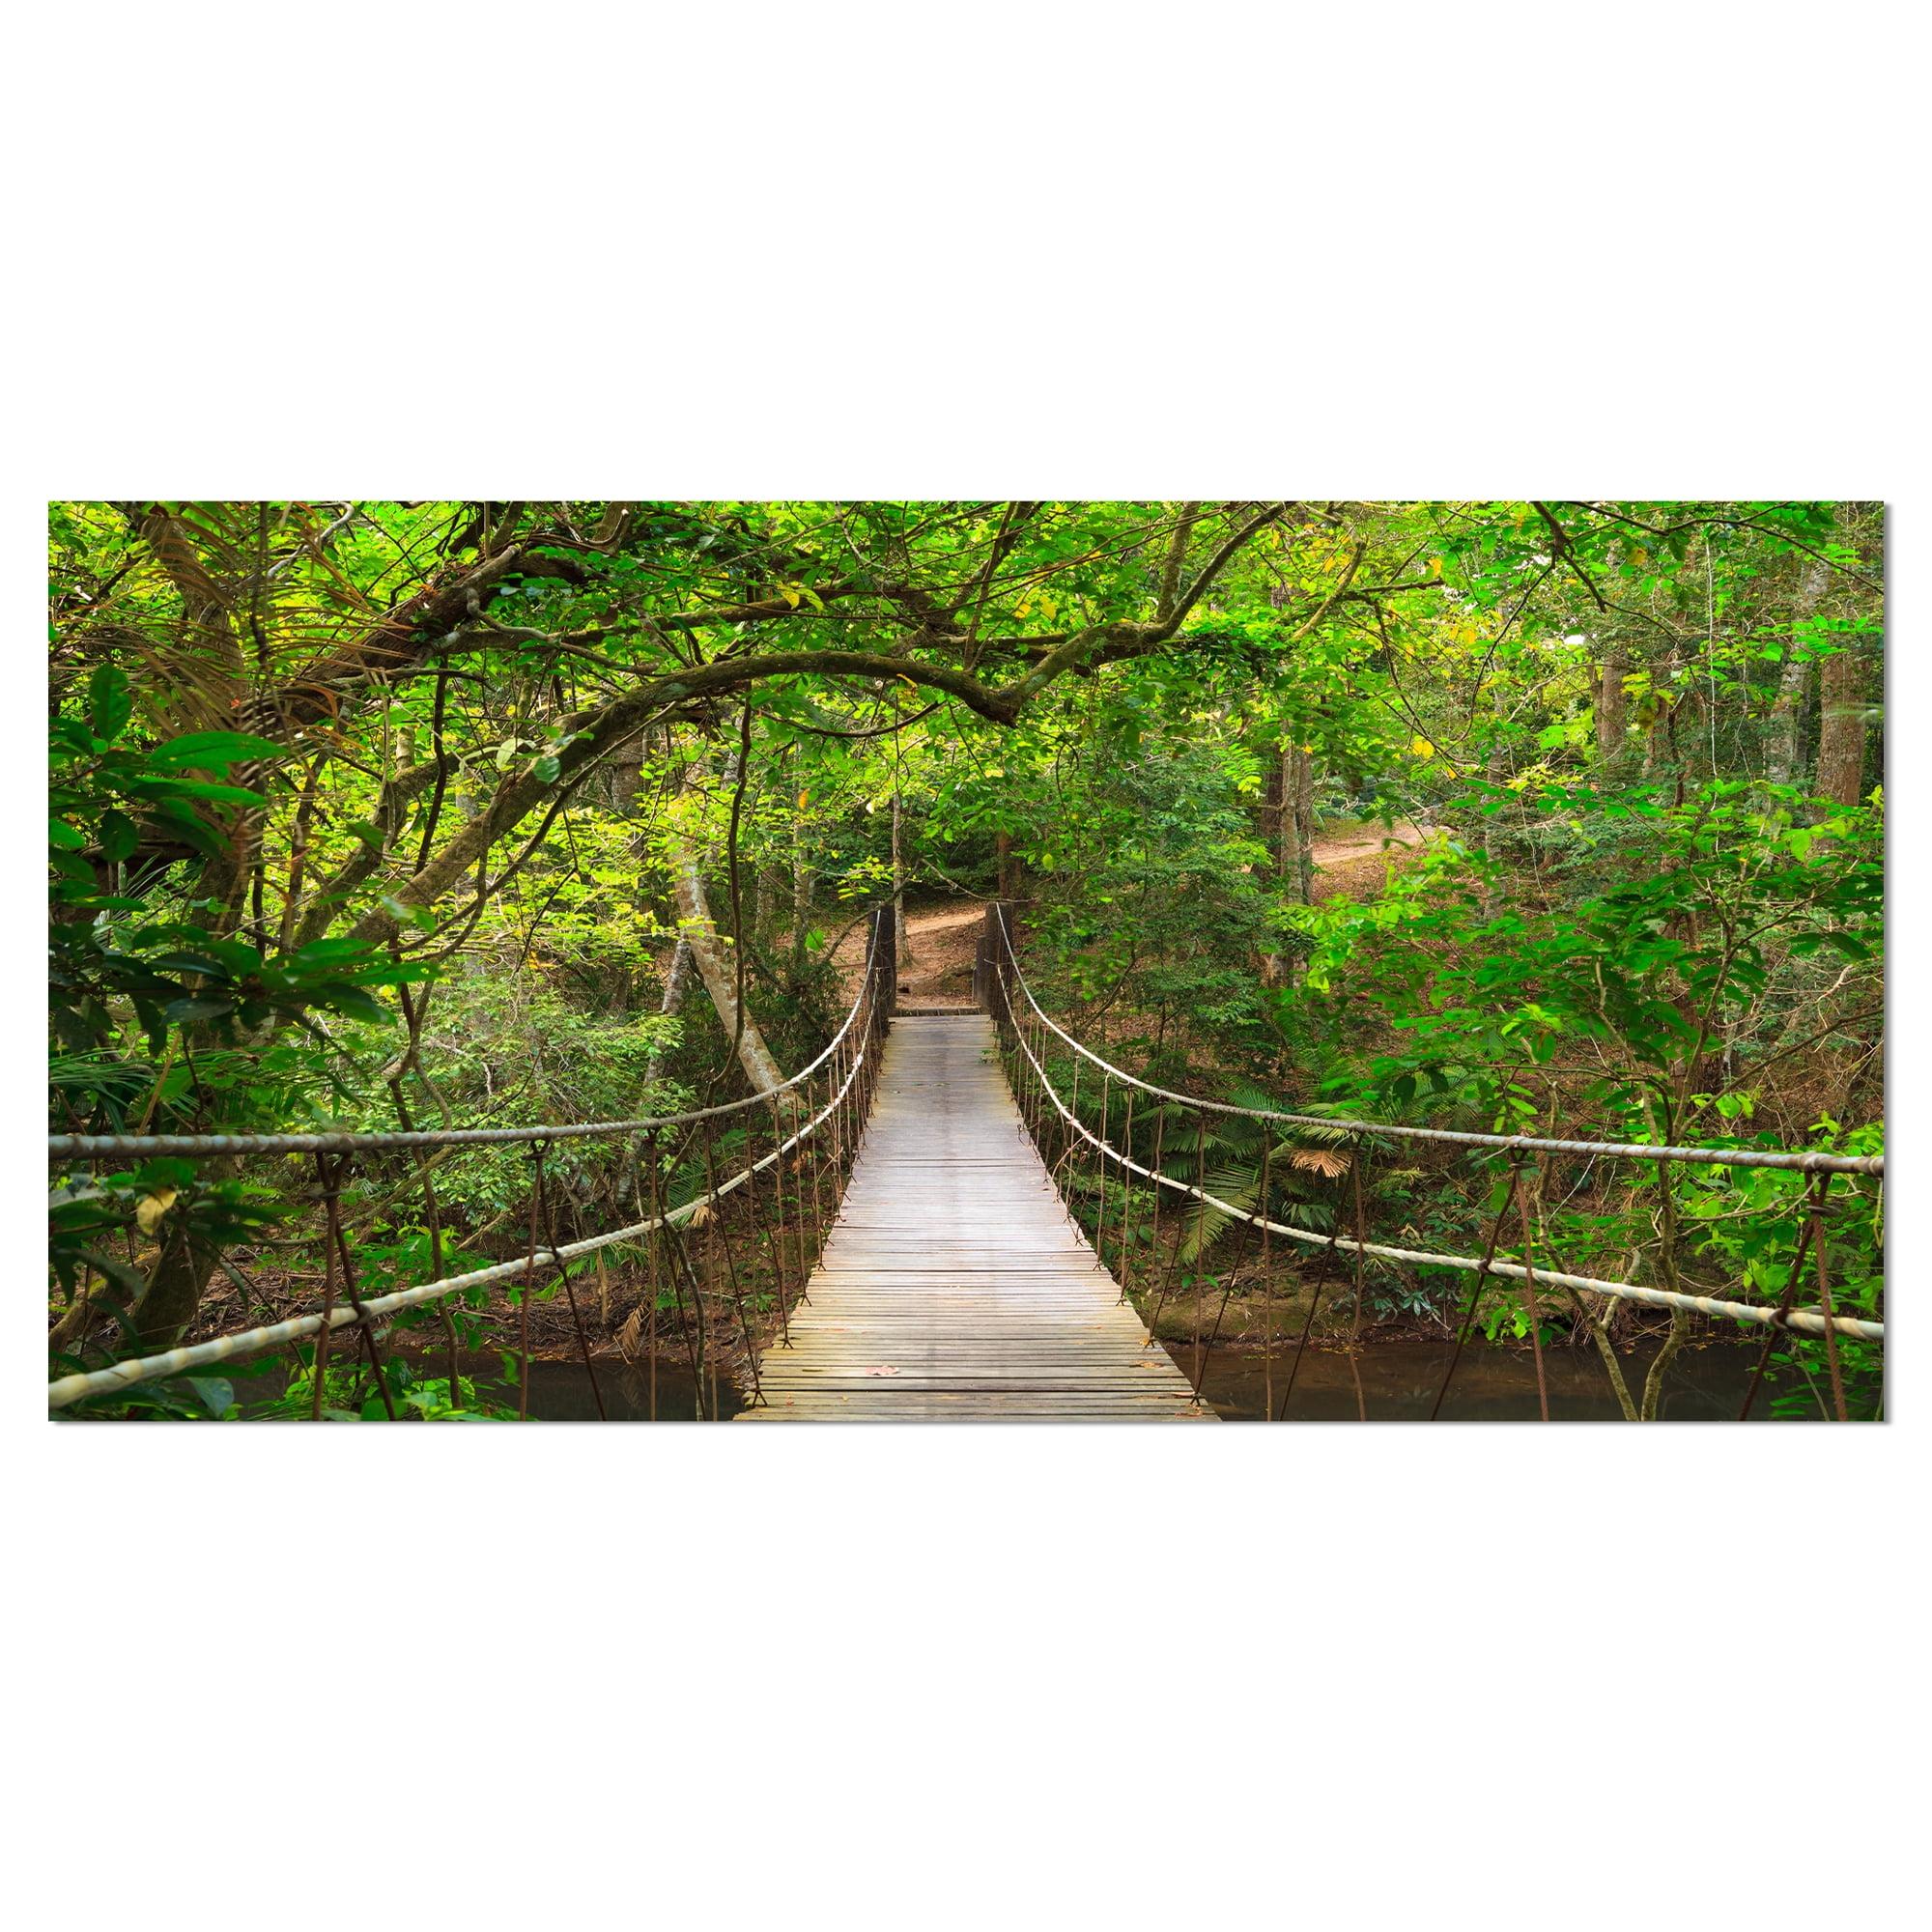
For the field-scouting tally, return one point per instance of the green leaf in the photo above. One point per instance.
(217, 1395)
(182, 1012)
(120, 836)
(65, 836)
(109, 702)
(130, 1281)
(159, 788)
(355, 1002)
(179, 961)
(180, 816)
(329, 952)
(212, 751)
(422, 917)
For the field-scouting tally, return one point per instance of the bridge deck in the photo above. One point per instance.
(953, 1286)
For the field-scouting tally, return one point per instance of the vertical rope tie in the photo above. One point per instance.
(1153, 1237)
(775, 1235)
(1530, 1307)
(1244, 1233)
(656, 1251)
(1476, 1288)
(1807, 1224)
(749, 1342)
(1825, 1299)
(570, 1291)
(537, 1151)
(1268, 1284)
(1361, 1262)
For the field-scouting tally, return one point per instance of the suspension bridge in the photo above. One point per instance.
(910, 1209)
(955, 1285)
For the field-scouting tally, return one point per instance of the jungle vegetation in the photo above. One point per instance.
(378, 814)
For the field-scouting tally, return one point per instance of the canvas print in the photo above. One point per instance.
(1021, 962)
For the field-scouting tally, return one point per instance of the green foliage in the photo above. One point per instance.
(1617, 923)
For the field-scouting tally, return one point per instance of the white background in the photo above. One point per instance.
(1581, 1677)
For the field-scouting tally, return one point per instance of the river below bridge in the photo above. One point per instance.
(1399, 1380)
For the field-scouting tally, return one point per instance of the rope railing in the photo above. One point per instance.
(853, 1052)
(96, 1147)
(1805, 1161)
(998, 970)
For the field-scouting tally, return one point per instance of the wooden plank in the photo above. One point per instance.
(955, 1265)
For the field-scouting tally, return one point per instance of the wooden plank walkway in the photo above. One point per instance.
(953, 1286)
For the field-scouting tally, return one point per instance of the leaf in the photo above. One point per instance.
(182, 818)
(329, 952)
(65, 836)
(505, 752)
(421, 917)
(152, 1206)
(355, 1002)
(212, 751)
(126, 1279)
(216, 1394)
(182, 1012)
(185, 962)
(120, 836)
(109, 702)
(1320, 1160)
(225, 794)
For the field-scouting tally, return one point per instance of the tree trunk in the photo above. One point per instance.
(1841, 728)
(717, 970)
(677, 979)
(1843, 702)
(1781, 761)
(802, 883)
(1612, 703)
(1304, 823)
(898, 887)
(1276, 830)
(1274, 789)
(1002, 848)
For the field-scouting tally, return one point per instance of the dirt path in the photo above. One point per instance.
(940, 945)
(941, 940)
(1328, 852)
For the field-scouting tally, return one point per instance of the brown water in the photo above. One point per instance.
(560, 1392)
(1400, 1380)
(1399, 1383)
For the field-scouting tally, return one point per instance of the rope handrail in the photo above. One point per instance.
(95, 1146)
(70, 1389)
(1803, 1319)
(1806, 1161)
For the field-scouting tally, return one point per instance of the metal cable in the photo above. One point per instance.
(252, 1341)
(1624, 1291)
(1806, 1162)
(88, 1146)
